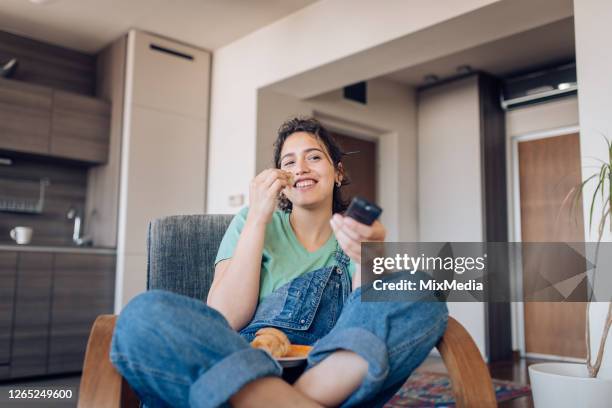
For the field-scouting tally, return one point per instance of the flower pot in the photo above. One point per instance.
(562, 385)
(598, 312)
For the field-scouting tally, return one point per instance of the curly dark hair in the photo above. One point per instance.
(314, 127)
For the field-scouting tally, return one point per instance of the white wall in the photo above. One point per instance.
(389, 117)
(450, 179)
(450, 206)
(163, 153)
(594, 64)
(326, 46)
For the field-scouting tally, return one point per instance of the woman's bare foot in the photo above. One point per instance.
(335, 378)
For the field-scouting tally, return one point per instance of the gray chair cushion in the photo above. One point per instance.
(182, 251)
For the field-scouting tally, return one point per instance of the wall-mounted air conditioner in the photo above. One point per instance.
(539, 86)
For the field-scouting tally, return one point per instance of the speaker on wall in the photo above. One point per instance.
(357, 92)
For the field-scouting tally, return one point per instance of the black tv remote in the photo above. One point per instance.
(363, 211)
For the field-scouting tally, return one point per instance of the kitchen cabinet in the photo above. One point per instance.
(43, 121)
(83, 288)
(48, 303)
(25, 117)
(170, 77)
(80, 127)
(31, 327)
(169, 85)
(8, 269)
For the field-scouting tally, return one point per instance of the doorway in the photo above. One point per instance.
(360, 166)
(547, 167)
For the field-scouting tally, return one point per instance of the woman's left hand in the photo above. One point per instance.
(350, 234)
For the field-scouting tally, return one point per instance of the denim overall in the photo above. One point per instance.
(175, 351)
(306, 308)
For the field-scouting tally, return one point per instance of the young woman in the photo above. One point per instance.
(290, 260)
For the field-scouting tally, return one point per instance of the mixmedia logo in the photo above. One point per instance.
(431, 285)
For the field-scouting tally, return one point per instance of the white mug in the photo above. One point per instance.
(21, 235)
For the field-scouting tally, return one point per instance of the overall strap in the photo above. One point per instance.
(341, 258)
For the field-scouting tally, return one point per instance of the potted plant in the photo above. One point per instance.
(584, 385)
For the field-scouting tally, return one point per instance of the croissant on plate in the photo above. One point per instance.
(272, 340)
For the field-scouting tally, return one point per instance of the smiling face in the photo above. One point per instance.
(313, 172)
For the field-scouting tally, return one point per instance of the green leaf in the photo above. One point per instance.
(593, 205)
(579, 190)
(602, 223)
(610, 188)
(581, 186)
(602, 179)
(596, 159)
(608, 142)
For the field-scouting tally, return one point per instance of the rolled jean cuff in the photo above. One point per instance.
(360, 341)
(229, 375)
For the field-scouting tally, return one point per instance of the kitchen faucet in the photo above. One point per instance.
(75, 214)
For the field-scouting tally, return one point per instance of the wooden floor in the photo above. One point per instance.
(508, 370)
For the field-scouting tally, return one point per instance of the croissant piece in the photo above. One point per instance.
(272, 340)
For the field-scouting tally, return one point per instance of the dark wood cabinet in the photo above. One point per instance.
(31, 327)
(80, 127)
(48, 303)
(8, 268)
(83, 288)
(39, 120)
(25, 117)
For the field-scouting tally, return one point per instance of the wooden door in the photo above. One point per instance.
(360, 166)
(548, 169)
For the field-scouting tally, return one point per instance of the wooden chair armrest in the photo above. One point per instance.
(101, 385)
(469, 374)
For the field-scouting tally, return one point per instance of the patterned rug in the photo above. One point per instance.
(425, 389)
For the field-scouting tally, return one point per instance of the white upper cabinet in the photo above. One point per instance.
(170, 76)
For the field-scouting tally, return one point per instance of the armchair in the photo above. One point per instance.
(181, 253)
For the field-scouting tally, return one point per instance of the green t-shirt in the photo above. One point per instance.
(284, 257)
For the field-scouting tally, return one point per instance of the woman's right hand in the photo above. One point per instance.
(264, 191)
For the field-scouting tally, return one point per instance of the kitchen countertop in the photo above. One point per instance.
(64, 249)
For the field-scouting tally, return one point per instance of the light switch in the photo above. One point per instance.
(236, 200)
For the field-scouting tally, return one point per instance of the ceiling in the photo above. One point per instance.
(89, 25)
(530, 49)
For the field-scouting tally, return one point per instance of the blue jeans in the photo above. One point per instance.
(177, 351)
